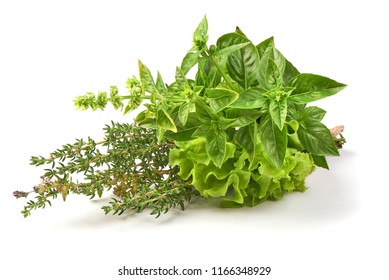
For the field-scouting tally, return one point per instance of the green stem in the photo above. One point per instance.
(219, 69)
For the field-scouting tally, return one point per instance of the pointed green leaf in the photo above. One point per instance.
(216, 146)
(314, 113)
(164, 120)
(204, 112)
(146, 78)
(241, 117)
(241, 64)
(246, 138)
(273, 75)
(230, 49)
(290, 72)
(220, 98)
(316, 138)
(251, 98)
(160, 84)
(180, 78)
(183, 113)
(265, 47)
(274, 141)
(207, 74)
(285, 69)
(313, 135)
(200, 36)
(182, 134)
(320, 161)
(278, 110)
(310, 87)
(190, 60)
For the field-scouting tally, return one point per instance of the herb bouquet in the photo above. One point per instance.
(239, 131)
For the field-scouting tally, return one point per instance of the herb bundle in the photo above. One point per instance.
(240, 130)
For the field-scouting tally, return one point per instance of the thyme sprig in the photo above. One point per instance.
(130, 160)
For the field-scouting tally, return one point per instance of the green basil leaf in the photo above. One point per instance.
(320, 161)
(204, 112)
(316, 138)
(265, 47)
(146, 78)
(200, 36)
(314, 113)
(164, 120)
(310, 87)
(182, 134)
(241, 64)
(220, 98)
(160, 84)
(278, 110)
(207, 74)
(230, 49)
(280, 61)
(216, 146)
(181, 79)
(242, 117)
(183, 113)
(250, 99)
(246, 138)
(290, 72)
(274, 141)
(190, 60)
(273, 75)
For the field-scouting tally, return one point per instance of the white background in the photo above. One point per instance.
(52, 51)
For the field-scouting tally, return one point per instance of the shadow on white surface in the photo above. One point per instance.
(331, 198)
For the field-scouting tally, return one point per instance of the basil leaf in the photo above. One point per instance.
(320, 161)
(313, 112)
(190, 60)
(273, 76)
(250, 99)
(310, 87)
(200, 36)
(230, 49)
(289, 73)
(242, 117)
(274, 140)
(204, 112)
(181, 79)
(278, 110)
(183, 113)
(316, 138)
(182, 135)
(160, 84)
(242, 64)
(146, 78)
(265, 47)
(164, 120)
(221, 98)
(207, 74)
(216, 146)
(246, 137)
